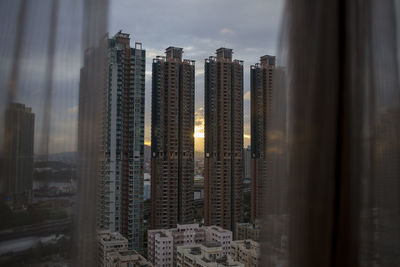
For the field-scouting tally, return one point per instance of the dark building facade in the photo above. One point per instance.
(172, 140)
(247, 162)
(223, 148)
(122, 141)
(19, 125)
(261, 96)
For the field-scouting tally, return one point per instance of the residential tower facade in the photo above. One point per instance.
(261, 97)
(19, 126)
(172, 140)
(223, 149)
(121, 183)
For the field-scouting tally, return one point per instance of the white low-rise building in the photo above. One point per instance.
(163, 243)
(216, 234)
(160, 248)
(204, 255)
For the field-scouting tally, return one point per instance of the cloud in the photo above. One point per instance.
(226, 31)
(188, 48)
(152, 53)
(199, 72)
(251, 49)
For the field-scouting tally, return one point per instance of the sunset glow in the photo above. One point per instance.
(198, 134)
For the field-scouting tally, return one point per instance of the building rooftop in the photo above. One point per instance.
(121, 34)
(129, 256)
(219, 229)
(195, 251)
(161, 233)
(202, 255)
(19, 106)
(268, 60)
(211, 245)
(174, 53)
(248, 244)
(265, 61)
(106, 235)
(224, 53)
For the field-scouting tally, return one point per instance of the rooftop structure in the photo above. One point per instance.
(204, 255)
(224, 54)
(174, 53)
(126, 258)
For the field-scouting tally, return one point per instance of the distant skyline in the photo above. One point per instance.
(200, 28)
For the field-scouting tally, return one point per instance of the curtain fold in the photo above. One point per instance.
(332, 194)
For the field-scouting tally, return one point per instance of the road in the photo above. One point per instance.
(40, 229)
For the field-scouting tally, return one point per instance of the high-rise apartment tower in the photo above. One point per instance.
(172, 140)
(261, 93)
(223, 147)
(121, 181)
(19, 126)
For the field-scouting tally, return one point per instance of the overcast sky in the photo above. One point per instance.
(249, 27)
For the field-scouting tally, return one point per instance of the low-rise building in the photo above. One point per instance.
(113, 251)
(204, 255)
(109, 242)
(160, 247)
(220, 236)
(246, 252)
(126, 258)
(163, 243)
(248, 231)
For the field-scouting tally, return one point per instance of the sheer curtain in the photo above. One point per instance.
(332, 191)
(92, 81)
(333, 185)
(45, 70)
